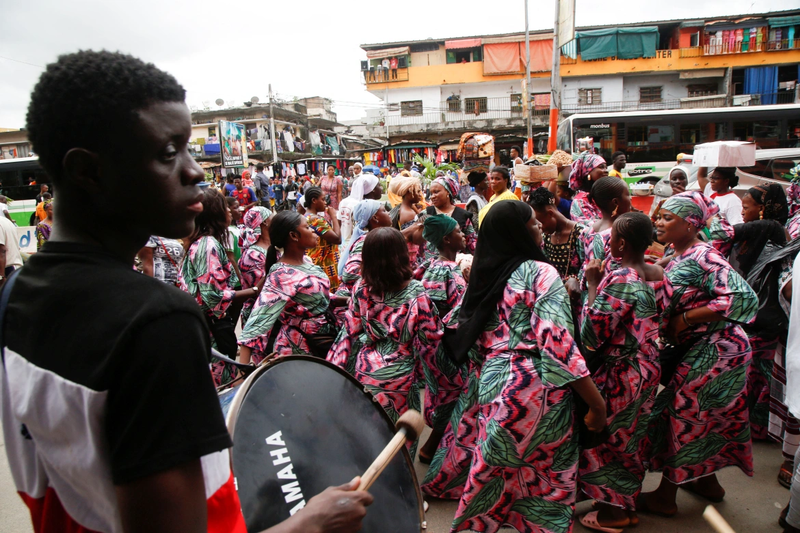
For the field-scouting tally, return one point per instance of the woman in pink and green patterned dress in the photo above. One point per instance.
(296, 293)
(512, 446)
(622, 317)
(700, 421)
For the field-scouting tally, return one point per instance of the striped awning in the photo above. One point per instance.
(388, 52)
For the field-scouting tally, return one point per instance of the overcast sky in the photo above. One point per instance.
(303, 48)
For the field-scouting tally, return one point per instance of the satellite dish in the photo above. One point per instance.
(254, 99)
(219, 101)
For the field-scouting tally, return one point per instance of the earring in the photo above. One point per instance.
(761, 215)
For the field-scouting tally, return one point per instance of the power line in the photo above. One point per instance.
(23, 62)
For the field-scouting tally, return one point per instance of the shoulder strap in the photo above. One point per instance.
(5, 294)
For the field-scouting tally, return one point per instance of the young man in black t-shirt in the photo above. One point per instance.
(110, 418)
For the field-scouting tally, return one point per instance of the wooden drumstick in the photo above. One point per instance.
(716, 521)
(409, 427)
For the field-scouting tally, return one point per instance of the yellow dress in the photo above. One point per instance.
(508, 195)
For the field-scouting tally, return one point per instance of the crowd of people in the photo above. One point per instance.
(558, 352)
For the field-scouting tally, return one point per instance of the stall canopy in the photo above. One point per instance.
(623, 43)
(541, 56)
(462, 43)
(782, 22)
(388, 52)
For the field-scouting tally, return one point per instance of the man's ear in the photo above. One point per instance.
(82, 167)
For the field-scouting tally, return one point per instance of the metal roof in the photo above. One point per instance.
(441, 40)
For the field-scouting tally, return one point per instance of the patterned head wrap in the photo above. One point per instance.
(581, 168)
(793, 192)
(362, 213)
(693, 207)
(450, 184)
(253, 220)
(437, 227)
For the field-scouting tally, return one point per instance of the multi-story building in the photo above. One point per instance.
(436, 89)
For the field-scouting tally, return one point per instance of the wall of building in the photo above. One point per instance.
(673, 88)
(612, 88)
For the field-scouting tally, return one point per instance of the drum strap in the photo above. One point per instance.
(5, 294)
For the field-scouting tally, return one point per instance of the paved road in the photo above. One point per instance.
(751, 505)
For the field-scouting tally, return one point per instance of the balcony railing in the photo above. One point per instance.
(783, 44)
(712, 101)
(381, 75)
(468, 109)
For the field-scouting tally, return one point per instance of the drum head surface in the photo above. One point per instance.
(306, 425)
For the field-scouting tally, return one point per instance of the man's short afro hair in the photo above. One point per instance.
(89, 100)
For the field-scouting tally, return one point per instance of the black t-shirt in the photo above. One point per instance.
(89, 318)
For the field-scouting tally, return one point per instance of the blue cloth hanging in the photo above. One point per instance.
(762, 81)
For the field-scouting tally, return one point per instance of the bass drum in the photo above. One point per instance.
(300, 425)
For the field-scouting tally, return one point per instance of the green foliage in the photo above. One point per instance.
(429, 168)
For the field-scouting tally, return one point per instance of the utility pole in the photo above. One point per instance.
(527, 90)
(272, 129)
(555, 84)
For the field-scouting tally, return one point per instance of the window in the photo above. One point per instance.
(702, 89)
(424, 47)
(649, 94)
(412, 108)
(393, 106)
(465, 55)
(694, 40)
(454, 103)
(476, 105)
(516, 103)
(590, 96)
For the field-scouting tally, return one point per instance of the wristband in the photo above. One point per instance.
(685, 319)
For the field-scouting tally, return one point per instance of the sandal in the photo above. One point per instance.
(690, 487)
(641, 507)
(785, 476)
(634, 520)
(589, 520)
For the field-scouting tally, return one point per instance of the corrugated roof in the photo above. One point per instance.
(442, 40)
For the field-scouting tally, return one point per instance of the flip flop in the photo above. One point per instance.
(689, 487)
(785, 477)
(589, 520)
(641, 507)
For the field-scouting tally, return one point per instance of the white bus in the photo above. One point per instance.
(652, 140)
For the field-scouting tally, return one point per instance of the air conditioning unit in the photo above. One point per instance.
(402, 62)
(364, 66)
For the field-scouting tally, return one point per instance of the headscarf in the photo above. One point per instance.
(450, 184)
(362, 212)
(692, 206)
(794, 190)
(400, 186)
(363, 184)
(253, 220)
(773, 198)
(581, 168)
(437, 227)
(504, 243)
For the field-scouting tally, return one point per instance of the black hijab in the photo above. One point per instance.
(504, 243)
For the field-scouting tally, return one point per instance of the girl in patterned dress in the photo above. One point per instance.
(367, 215)
(510, 443)
(700, 421)
(445, 285)
(622, 318)
(210, 279)
(322, 220)
(295, 297)
(391, 328)
(253, 263)
(612, 198)
(587, 169)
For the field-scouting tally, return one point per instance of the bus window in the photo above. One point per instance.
(792, 134)
(765, 133)
(651, 143)
(602, 134)
(564, 136)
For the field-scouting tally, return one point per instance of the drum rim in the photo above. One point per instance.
(235, 407)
